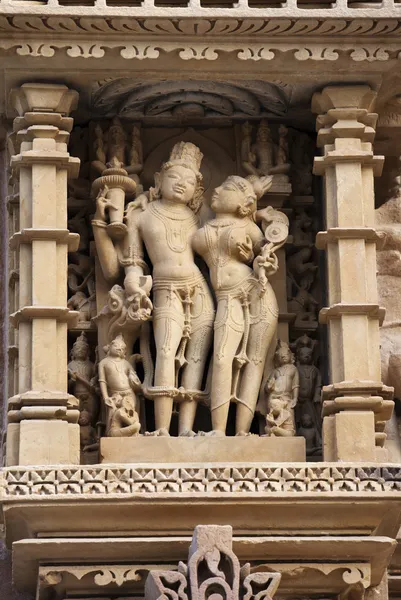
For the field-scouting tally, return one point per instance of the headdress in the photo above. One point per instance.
(81, 342)
(119, 338)
(186, 154)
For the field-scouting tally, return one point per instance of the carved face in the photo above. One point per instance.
(306, 420)
(229, 198)
(284, 356)
(84, 418)
(177, 184)
(79, 352)
(117, 348)
(305, 356)
(276, 406)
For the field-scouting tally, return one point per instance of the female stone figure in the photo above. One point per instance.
(247, 310)
(183, 311)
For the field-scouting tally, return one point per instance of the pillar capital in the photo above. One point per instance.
(345, 112)
(343, 97)
(43, 97)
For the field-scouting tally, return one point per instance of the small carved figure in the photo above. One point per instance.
(312, 438)
(279, 420)
(88, 438)
(136, 155)
(302, 229)
(81, 281)
(100, 152)
(304, 305)
(84, 305)
(282, 393)
(310, 385)
(302, 153)
(78, 224)
(258, 158)
(264, 148)
(116, 140)
(81, 370)
(300, 263)
(282, 152)
(124, 420)
(119, 384)
(247, 310)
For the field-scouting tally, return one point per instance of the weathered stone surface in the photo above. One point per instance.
(202, 450)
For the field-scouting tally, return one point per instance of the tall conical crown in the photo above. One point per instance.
(81, 342)
(186, 154)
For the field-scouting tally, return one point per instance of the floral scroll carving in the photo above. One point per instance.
(213, 570)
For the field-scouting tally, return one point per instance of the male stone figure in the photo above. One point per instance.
(183, 312)
(80, 372)
(282, 393)
(118, 384)
(310, 385)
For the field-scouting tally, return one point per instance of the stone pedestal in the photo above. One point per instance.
(346, 132)
(202, 450)
(42, 164)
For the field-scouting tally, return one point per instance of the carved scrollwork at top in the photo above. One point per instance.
(200, 26)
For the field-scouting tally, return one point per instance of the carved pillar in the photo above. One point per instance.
(356, 403)
(42, 416)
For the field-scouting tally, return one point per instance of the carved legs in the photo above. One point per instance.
(226, 342)
(261, 336)
(167, 338)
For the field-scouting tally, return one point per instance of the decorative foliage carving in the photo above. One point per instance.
(213, 570)
(235, 27)
(197, 51)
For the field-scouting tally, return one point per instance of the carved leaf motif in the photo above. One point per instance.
(166, 585)
(62, 24)
(104, 578)
(261, 586)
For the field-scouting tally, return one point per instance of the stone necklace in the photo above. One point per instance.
(176, 224)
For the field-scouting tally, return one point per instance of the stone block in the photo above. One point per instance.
(45, 443)
(202, 449)
(355, 436)
(12, 444)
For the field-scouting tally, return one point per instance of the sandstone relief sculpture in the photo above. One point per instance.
(282, 390)
(81, 283)
(118, 166)
(247, 311)
(82, 376)
(212, 571)
(310, 386)
(161, 303)
(268, 154)
(81, 371)
(119, 385)
(183, 312)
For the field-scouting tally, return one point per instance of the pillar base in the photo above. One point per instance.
(38, 442)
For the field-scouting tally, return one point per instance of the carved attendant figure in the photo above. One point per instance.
(183, 307)
(118, 384)
(247, 309)
(310, 387)
(282, 389)
(81, 370)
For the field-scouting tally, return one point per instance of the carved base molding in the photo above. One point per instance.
(103, 501)
(92, 567)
